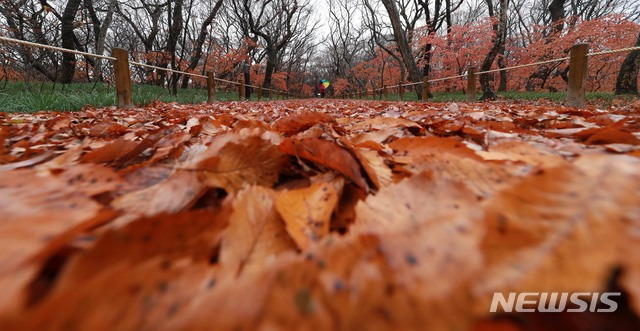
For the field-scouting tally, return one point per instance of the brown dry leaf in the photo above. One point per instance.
(68, 158)
(256, 234)
(28, 162)
(120, 151)
(559, 230)
(175, 194)
(342, 284)
(92, 179)
(113, 151)
(107, 129)
(484, 178)
(345, 214)
(328, 154)
(237, 303)
(39, 216)
(427, 227)
(608, 135)
(381, 123)
(37, 213)
(232, 164)
(293, 124)
(407, 149)
(518, 151)
(375, 167)
(121, 297)
(307, 211)
(169, 143)
(192, 235)
(378, 136)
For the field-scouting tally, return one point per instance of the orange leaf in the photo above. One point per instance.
(325, 153)
(256, 233)
(307, 211)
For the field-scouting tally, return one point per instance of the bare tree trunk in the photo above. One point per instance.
(627, 81)
(403, 44)
(246, 69)
(100, 32)
(175, 26)
(503, 74)
(556, 9)
(68, 41)
(268, 72)
(200, 41)
(498, 41)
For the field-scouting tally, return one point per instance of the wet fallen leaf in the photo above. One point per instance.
(328, 154)
(307, 211)
(256, 233)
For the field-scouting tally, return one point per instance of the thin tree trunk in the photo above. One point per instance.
(68, 36)
(102, 36)
(200, 41)
(498, 41)
(175, 26)
(502, 63)
(271, 65)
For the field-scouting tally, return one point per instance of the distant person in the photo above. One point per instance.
(321, 90)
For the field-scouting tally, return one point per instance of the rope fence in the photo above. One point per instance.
(575, 92)
(55, 48)
(166, 69)
(123, 80)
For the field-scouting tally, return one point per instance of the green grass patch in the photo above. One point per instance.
(605, 97)
(32, 97)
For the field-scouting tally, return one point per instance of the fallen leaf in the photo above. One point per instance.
(559, 230)
(237, 163)
(256, 233)
(328, 154)
(307, 211)
(300, 122)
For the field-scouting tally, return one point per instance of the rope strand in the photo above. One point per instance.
(55, 48)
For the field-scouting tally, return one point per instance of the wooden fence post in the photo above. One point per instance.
(259, 92)
(577, 75)
(425, 88)
(270, 94)
(211, 87)
(471, 84)
(124, 95)
(400, 92)
(241, 89)
(385, 92)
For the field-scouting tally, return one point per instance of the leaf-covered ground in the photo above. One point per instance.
(316, 214)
